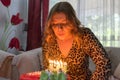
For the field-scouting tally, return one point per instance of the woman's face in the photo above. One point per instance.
(61, 26)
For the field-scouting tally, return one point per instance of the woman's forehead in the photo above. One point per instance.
(59, 16)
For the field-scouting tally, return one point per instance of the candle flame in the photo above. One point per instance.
(56, 65)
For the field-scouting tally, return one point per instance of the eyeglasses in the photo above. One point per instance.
(60, 25)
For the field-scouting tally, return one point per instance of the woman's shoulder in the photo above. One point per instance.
(85, 30)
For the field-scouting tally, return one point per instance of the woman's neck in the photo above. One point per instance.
(65, 46)
(65, 40)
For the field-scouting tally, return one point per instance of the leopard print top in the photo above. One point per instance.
(78, 58)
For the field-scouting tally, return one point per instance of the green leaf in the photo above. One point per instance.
(44, 76)
(61, 76)
(53, 76)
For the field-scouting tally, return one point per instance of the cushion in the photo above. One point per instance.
(117, 71)
(114, 55)
(3, 55)
(27, 61)
(40, 59)
(5, 69)
(113, 78)
(1, 78)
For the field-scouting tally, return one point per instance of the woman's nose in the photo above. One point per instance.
(60, 28)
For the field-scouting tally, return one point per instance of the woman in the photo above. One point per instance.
(65, 39)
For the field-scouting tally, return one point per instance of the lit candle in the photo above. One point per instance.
(55, 65)
(51, 63)
(60, 64)
(64, 66)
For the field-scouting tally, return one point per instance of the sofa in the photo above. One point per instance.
(30, 61)
(24, 62)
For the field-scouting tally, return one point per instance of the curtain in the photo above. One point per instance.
(45, 8)
(101, 16)
(37, 13)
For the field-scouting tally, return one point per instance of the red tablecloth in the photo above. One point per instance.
(31, 76)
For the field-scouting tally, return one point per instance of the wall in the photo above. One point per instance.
(15, 7)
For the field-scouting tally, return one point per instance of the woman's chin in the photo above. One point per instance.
(61, 38)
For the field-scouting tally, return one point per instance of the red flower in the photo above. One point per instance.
(16, 19)
(14, 43)
(6, 2)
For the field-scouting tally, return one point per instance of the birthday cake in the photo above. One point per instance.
(44, 75)
(56, 71)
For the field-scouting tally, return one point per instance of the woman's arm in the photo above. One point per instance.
(99, 56)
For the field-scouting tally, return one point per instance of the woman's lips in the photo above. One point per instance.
(60, 34)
